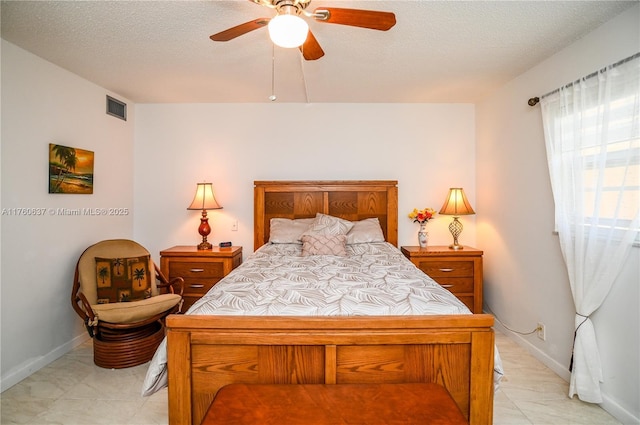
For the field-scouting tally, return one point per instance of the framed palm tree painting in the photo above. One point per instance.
(70, 170)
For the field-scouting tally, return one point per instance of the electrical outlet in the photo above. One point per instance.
(541, 331)
(234, 226)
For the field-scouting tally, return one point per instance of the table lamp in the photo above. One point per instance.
(204, 200)
(456, 205)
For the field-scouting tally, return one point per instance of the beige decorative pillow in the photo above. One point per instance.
(123, 279)
(367, 230)
(324, 245)
(286, 230)
(325, 224)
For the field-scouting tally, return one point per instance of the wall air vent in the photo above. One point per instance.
(116, 108)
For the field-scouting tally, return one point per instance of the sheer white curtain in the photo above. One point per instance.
(592, 135)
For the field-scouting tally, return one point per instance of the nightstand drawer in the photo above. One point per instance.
(198, 287)
(447, 268)
(456, 285)
(197, 270)
(469, 301)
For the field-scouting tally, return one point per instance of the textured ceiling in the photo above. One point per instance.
(439, 51)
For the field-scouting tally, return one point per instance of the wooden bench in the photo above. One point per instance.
(315, 404)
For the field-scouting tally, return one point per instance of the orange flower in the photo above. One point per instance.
(422, 216)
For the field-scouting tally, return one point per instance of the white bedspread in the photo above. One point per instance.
(374, 279)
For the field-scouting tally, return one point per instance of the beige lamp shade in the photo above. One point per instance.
(204, 198)
(456, 203)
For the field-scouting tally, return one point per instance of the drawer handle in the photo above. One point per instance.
(196, 285)
(447, 286)
(446, 270)
(196, 270)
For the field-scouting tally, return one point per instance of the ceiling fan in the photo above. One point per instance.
(288, 13)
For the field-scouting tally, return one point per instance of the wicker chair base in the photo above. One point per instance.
(122, 349)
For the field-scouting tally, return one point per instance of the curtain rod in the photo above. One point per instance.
(535, 100)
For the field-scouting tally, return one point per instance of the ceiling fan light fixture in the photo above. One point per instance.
(288, 31)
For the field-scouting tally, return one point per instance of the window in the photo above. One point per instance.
(596, 129)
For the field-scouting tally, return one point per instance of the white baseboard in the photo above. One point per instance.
(619, 412)
(608, 404)
(23, 371)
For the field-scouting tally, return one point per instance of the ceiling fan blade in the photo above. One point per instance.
(239, 30)
(371, 19)
(311, 49)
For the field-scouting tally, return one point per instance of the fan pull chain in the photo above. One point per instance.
(304, 80)
(273, 73)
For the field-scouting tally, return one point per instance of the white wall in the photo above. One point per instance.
(43, 104)
(427, 148)
(525, 277)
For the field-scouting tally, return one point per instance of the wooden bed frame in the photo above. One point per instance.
(207, 352)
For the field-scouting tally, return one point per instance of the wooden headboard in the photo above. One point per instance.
(348, 199)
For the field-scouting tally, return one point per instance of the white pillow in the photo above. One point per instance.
(329, 226)
(367, 230)
(286, 230)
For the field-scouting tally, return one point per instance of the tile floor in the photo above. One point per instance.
(530, 393)
(72, 390)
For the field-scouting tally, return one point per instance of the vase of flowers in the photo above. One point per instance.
(422, 217)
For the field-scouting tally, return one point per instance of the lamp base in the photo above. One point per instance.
(204, 231)
(455, 228)
(204, 245)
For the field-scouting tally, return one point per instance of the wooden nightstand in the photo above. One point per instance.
(200, 269)
(459, 271)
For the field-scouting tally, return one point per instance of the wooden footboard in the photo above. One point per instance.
(208, 352)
